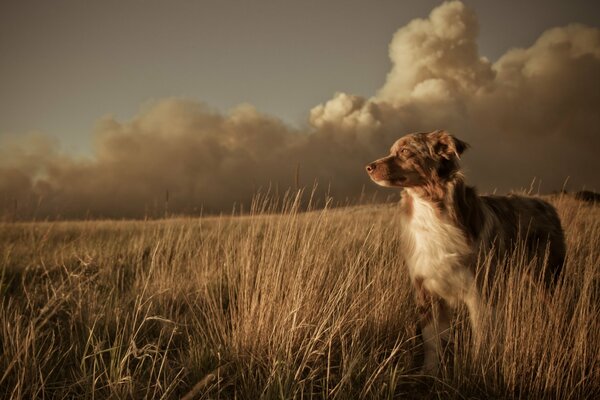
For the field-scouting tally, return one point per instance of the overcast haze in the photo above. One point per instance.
(149, 94)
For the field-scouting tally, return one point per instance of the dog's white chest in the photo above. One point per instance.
(435, 251)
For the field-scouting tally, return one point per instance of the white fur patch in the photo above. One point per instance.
(436, 252)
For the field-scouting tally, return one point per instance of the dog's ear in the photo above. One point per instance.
(446, 145)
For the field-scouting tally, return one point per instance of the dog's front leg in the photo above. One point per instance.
(476, 313)
(435, 326)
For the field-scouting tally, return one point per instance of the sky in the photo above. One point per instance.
(81, 81)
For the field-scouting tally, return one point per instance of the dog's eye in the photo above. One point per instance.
(405, 152)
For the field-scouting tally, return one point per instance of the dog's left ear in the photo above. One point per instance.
(446, 145)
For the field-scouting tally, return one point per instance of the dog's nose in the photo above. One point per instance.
(370, 167)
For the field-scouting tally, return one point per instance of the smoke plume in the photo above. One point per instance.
(532, 113)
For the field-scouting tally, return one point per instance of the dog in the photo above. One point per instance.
(447, 228)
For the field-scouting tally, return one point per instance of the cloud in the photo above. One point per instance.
(436, 58)
(179, 150)
(346, 112)
(532, 113)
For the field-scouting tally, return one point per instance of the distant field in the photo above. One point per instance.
(289, 305)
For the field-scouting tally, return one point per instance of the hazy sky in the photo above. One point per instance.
(65, 64)
(210, 101)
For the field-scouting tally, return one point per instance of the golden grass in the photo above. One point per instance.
(289, 305)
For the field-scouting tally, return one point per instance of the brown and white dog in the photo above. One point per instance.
(446, 227)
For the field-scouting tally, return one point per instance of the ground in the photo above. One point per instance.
(275, 304)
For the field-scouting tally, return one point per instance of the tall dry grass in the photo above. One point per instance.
(275, 304)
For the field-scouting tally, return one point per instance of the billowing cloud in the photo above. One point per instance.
(436, 58)
(532, 113)
(177, 156)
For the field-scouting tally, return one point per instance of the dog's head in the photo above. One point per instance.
(418, 159)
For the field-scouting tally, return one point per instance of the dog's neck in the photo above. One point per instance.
(439, 192)
(452, 200)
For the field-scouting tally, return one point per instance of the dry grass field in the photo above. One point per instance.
(275, 304)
